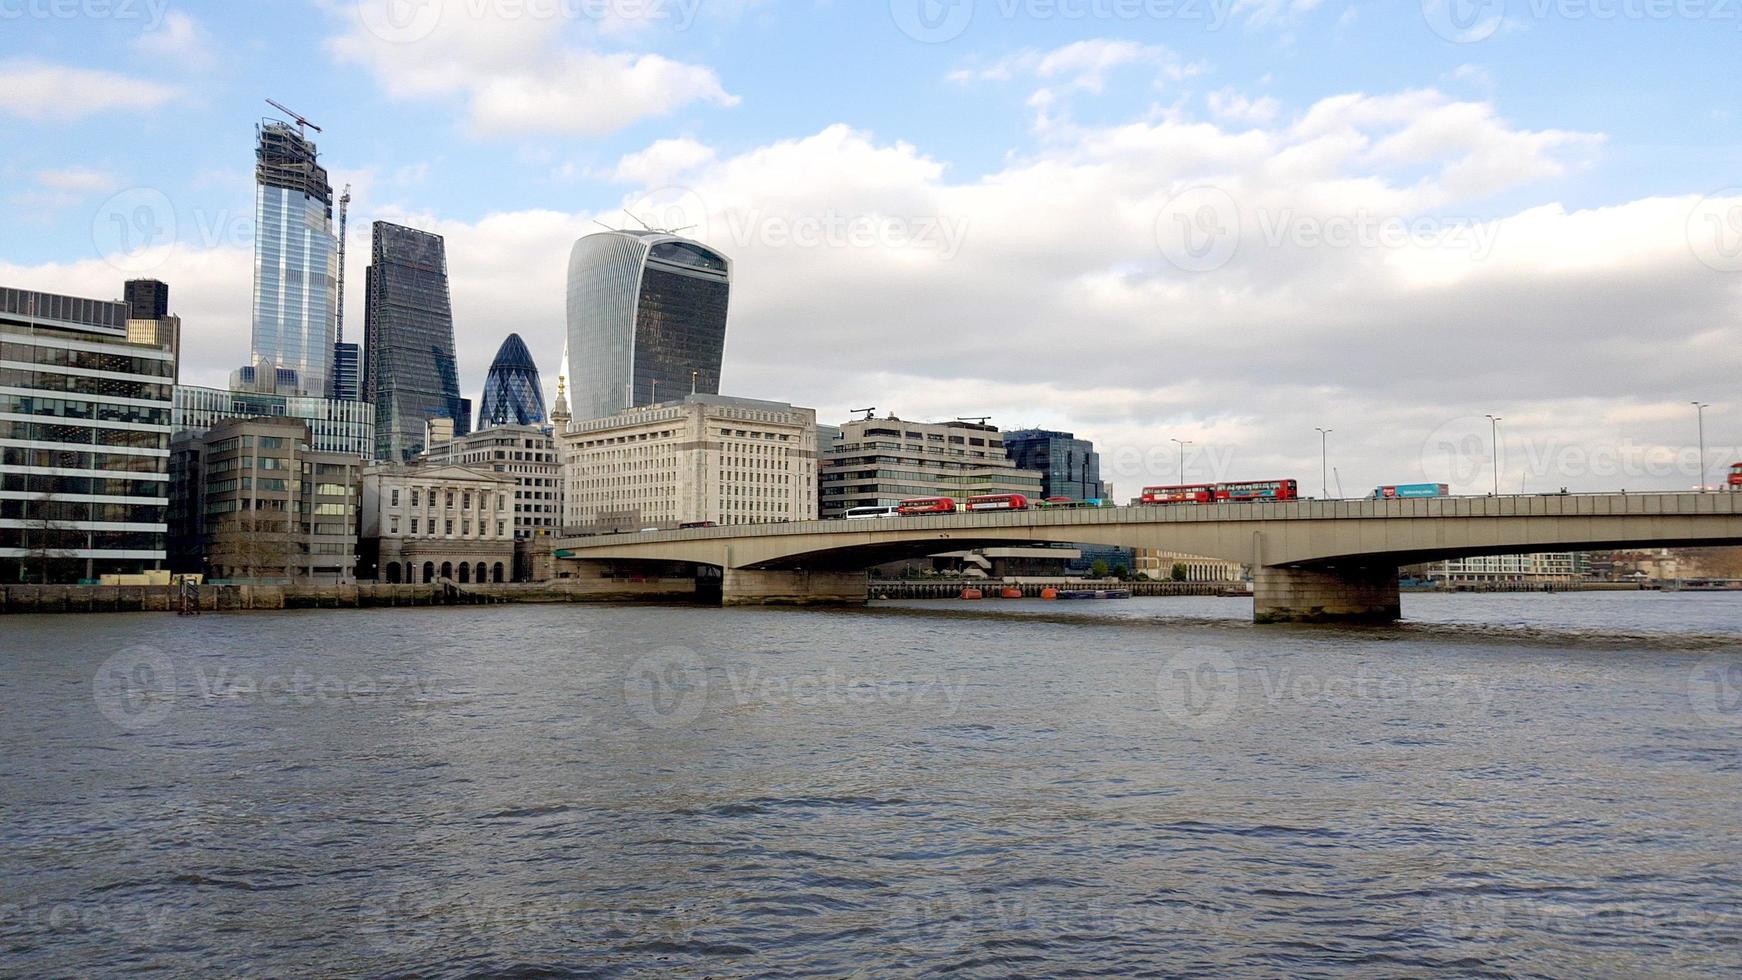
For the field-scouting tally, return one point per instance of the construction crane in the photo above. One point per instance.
(870, 413)
(302, 122)
(344, 221)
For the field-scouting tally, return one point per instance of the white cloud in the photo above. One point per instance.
(78, 179)
(524, 74)
(180, 42)
(41, 92)
(1083, 64)
(1234, 107)
(663, 162)
(1585, 327)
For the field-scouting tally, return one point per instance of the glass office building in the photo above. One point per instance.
(334, 425)
(512, 393)
(646, 319)
(296, 260)
(347, 372)
(1069, 466)
(409, 372)
(85, 394)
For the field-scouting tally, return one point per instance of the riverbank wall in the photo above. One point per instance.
(367, 595)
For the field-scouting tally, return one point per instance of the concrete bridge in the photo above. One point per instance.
(1313, 561)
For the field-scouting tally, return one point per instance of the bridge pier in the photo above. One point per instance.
(1360, 594)
(756, 587)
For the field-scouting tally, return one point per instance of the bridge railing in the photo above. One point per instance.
(1360, 508)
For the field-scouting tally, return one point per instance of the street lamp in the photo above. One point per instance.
(1700, 410)
(1182, 458)
(1325, 462)
(1494, 441)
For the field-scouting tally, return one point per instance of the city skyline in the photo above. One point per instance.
(1536, 229)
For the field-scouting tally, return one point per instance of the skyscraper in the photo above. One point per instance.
(512, 393)
(1070, 467)
(409, 371)
(647, 320)
(296, 263)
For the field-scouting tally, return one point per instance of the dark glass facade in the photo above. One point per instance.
(1069, 466)
(347, 372)
(647, 320)
(512, 393)
(409, 372)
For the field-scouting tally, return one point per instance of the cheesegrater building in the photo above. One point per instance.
(646, 320)
(409, 373)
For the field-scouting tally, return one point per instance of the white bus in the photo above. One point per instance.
(873, 513)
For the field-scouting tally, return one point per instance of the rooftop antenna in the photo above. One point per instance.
(302, 122)
(870, 413)
(982, 419)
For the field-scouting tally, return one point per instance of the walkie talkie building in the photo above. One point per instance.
(647, 320)
(512, 394)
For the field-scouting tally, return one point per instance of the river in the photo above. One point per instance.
(1544, 785)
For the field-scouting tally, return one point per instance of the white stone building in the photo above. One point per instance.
(423, 522)
(525, 452)
(706, 458)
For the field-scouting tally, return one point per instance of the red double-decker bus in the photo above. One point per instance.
(1261, 490)
(1194, 493)
(998, 501)
(926, 505)
(1211, 493)
(1736, 477)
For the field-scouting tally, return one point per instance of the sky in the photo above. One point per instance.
(1228, 223)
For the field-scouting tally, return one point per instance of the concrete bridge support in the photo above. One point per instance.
(752, 587)
(1362, 594)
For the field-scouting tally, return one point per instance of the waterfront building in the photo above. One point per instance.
(409, 371)
(705, 458)
(1068, 466)
(646, 320)
(426, 522)
(1160, 565)
(335, 425)
(257, 503)
(881, 462)
(512, 392)
(85, 405)
(528, 453)
(296, 260)
(1501, 570)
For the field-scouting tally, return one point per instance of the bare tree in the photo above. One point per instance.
(258, 544)
(45, 539)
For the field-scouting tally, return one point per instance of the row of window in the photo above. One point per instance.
(82, 435)
(54, 511)
(81, 385)
(44, 483)
(67, 459)
(150, 367)
(81, 408)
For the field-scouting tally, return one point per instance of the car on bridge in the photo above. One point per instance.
(1736, 477)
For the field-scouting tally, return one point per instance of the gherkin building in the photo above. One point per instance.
(512, 395)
